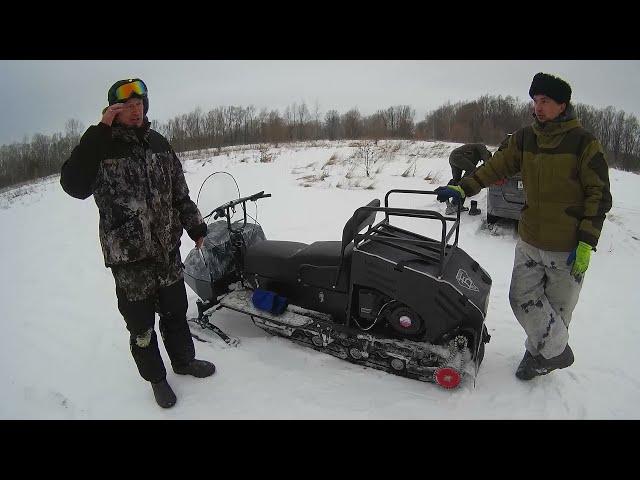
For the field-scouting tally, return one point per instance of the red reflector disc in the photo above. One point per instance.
(447, 377)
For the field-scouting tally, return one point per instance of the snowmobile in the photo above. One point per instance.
(382, 296)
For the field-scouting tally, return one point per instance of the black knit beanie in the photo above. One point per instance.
(111, 95)
(552, 87)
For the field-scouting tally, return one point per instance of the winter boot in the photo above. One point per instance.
(164, 394)
(474, 208)
(451, 208)
(197, 368)
(526, 369)
(547, 365)
(531, 366)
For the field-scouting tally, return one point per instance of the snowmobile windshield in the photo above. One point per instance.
(216, 190)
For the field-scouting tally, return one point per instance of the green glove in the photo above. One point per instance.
(450, 191)
(458, 189)
(580, 258)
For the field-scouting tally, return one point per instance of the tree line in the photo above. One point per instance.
(485, 120)
(233, 125)
(41, 156)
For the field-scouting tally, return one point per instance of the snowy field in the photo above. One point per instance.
(64, 351)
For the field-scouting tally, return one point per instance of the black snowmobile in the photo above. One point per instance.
(382, 297)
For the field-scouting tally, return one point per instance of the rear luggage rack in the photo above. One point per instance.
(435, 252)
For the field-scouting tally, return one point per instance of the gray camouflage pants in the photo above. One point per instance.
(543, 294)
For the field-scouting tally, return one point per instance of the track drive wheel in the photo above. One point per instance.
(447, 377)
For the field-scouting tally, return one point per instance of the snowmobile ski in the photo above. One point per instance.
(198, 331)
(200, 324)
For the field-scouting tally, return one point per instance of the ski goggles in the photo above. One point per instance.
(123, 92)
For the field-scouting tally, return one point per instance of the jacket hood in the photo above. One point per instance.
(562, 124)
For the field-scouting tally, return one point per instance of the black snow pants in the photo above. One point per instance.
(162, 292)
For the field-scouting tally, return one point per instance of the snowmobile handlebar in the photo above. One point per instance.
(223, 209)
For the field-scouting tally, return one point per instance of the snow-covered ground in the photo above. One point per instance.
(64, 351)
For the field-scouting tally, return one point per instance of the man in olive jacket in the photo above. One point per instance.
(464, 160)
(137, 182)
(566, 181)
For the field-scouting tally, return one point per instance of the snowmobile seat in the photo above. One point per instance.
(274, 259)
(328, 264)
(319, 264)
(290, 261)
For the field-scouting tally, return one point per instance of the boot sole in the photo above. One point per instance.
(194, 375)
(166, 405)
(542, 371)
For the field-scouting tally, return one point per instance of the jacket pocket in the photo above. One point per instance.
(112, 168)
(126, 243)
(566, 185)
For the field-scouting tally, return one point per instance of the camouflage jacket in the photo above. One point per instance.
(138, 185)
(565, 178)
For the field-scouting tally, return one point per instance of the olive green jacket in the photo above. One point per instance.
(565, 178)
(467, 156)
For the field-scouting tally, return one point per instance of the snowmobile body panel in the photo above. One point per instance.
(457, 299)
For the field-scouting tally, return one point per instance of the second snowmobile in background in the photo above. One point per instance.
(382, 296)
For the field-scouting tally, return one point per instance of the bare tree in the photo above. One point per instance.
(316, 127)
(404, 121)
(302, 120)
(617, 130)
(290, 120)
(629, 143)
(375, 126)
(352, 124)
(73, 128)
(367, 152)
(332, 124)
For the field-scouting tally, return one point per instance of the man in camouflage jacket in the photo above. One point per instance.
(566, 182)
(138, 184)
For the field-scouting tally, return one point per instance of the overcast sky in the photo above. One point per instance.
(40, 96)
